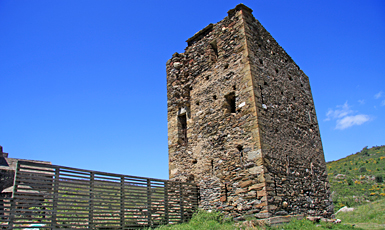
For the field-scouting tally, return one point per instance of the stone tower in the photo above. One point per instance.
(242, 123)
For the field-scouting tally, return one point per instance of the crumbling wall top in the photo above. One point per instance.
(239, 7)
(200, 34)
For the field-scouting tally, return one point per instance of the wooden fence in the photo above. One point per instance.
(52, 197)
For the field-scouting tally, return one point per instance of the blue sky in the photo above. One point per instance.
(83, 83)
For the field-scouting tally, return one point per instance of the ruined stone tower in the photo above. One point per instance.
(242, 123)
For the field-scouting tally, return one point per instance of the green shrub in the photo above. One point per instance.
(379, 179)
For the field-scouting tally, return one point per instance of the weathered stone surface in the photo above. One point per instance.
(257, 186)
(241, 119)
(177, 65)
(261, 193)
(246, 183)
(254, 155)
(239, 191)
(262, 215)
(281, 213)
(314, 218)
(256, 170)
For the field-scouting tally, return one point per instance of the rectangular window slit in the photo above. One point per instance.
(182, 120)
(230, 100)
(214, 47)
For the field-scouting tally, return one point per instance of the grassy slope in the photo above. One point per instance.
(358, 178)
(215, 221)
(367, 216)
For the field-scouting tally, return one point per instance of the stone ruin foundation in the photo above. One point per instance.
(242, 124)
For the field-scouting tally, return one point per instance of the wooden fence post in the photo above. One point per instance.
(166, 202)
(55, 197)
(122, 195)
(92, 197)
(12, 212)
(149, 202)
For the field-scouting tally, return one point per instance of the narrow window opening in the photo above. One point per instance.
(290, 78)
(188, 93)
(197, 102)
(234, 87)
(265, 83)
(281, 92)
(293, 98)
(182, 120)
(194, 161)
(240, 150)
(212, 166)
(214, 47)
(287, 165)
(260, 60)
(215, 97)
(276, 70)
(226, 65)
(260, 88)
(301, 85)
(312, 169)
(207, 77)
(230, 99)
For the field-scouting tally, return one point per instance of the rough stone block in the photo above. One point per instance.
(246, 183)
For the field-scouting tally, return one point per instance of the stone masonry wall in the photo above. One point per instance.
(238, 123)
(290, 137)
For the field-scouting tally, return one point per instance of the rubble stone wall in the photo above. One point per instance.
(289, 132)
(242, 124)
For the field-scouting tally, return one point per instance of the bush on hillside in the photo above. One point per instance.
(379, 179)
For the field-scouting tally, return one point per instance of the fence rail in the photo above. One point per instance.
(52, 197)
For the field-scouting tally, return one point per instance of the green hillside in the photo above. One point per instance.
(358, 178)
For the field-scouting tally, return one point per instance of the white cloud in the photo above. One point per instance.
(378, 95)
(383, 103)
(349, 121)
(345, 117)
(343, 110)
(361, 102)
